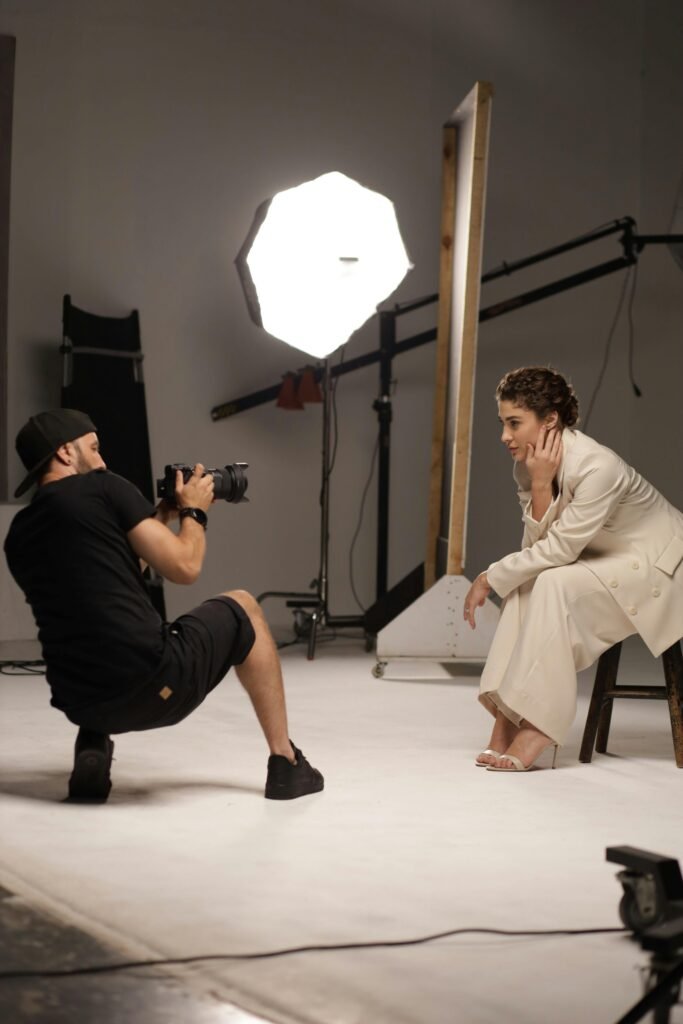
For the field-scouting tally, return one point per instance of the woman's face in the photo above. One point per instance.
(521, 427)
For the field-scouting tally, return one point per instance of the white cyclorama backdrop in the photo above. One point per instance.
(145, 136)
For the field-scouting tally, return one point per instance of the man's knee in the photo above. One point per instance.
(246, 601)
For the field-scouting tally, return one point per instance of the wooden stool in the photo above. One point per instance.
(605, 690)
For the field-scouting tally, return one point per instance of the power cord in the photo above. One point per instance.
(631, 333)
(608, 344)
(335, 419)
(72, 972)
(323, 636)
(22, 668)
(361, 513)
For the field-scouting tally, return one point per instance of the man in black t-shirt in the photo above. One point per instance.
(112, 664)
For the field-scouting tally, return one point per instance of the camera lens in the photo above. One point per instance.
(230, 483)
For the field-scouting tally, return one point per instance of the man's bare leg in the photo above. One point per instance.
(289, 773)
(261, 676)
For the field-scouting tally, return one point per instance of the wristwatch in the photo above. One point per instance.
(198, 514)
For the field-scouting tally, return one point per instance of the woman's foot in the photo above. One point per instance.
(504, 733)
(526, 747)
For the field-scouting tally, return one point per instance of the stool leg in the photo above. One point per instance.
(672, 659)
(600, 710)
(604, 724)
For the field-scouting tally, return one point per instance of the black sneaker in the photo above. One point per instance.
(286, 781)
(90, 781)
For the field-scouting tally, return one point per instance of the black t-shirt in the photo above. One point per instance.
(68, 551)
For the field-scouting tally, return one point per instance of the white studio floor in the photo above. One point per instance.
(408, 839)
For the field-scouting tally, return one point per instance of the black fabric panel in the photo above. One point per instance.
(105, 388)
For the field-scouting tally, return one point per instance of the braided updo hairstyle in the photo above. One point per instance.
(541, 390)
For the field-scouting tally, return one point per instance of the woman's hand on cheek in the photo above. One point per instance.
(543, 459)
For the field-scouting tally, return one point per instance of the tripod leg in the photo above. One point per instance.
(669, 998)
(661, 997)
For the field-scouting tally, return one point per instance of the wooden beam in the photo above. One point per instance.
(478, 114)
(443, 336)
(465, 158)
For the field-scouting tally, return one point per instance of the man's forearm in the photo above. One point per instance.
(192, 537)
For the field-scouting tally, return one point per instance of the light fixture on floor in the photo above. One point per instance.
(317, 261)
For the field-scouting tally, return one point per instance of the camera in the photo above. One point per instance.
(229, 483)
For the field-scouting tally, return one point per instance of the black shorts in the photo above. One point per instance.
(200, 648)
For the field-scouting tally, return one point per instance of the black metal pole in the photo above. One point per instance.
(382, 406)
(325, 491)
(625, 224)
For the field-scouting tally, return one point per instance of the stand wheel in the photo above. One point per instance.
(378, 669)
(630, 913)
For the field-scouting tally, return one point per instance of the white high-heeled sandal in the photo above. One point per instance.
(518, 765)
(484, 753)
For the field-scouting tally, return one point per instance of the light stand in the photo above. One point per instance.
(317, 261)
(315, 602)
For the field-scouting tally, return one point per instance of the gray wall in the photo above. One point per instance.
(147, 132)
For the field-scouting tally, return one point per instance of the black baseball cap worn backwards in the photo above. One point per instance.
(39, 439)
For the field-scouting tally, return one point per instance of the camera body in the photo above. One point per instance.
(229, 483)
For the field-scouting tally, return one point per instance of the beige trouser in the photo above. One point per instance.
(549, 629)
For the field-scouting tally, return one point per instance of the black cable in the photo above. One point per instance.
(678, 205)
(287, 643)
(631, 333)
(335, 419)
(605, 358)
(323, 636)
(15, 667)
(360, 523)
(72, 972)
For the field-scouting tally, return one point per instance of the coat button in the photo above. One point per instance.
(636, 565)
(632, 610)
(656, 591)
(613, 583)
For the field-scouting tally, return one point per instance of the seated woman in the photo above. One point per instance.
(601, 559)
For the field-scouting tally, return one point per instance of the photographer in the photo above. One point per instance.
(112, 664)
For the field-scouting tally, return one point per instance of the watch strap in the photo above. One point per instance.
(198, 514)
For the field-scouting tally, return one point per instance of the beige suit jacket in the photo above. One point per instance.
(608, 518)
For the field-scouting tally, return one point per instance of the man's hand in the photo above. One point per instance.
(197, 492)
(165, 512)
(476, 596)
(176, 557)
(543, 459)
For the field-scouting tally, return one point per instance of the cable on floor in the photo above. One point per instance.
(72, 972)
(15, 667)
